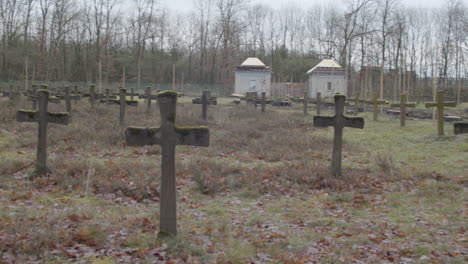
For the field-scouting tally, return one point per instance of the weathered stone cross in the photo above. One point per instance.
(439, 103)
(252, 98)
(357, 101)
(123, 102)
(339, 121)
(168, 136)
(69, 97)
(148, 97)
(42, 117)
(403, 104)
(205, 100)
(375, 102)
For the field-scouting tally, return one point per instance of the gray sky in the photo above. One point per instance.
(187, 5)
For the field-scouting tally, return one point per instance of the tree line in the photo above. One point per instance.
(384, 45)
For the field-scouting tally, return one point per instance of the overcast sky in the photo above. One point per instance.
(187, 5)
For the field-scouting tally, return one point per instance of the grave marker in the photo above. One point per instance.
(375, 102)
(168, 136)
(357, 101)
(403, 104)
(460, 127)
(440, 104)
(42, 117)
(339, 121)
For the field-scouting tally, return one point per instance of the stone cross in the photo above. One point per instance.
(319, 102)
(148, 97)
(375, 102)
(263, 101)
(357, 101)
(68, 99)
(440, 104)
(205, 97)
(339, 121)
(123, 102)
(42, 117)
(168, 136)
(33, 95)
(306, 102)
(403, 104)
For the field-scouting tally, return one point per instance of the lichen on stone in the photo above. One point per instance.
(167, 93)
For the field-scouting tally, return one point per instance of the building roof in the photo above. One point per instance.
(326, 65)
(252, 62)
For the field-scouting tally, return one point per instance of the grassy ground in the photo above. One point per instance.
(261, 193)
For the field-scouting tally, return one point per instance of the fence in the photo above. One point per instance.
(284, 89)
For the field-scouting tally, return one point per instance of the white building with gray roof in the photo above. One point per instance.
(252, 76)
(326, 78)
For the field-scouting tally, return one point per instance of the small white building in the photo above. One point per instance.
(252, 76)
(327, 78)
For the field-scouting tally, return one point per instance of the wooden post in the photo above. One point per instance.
(439, 104)
(42, 117)
(263, 101)
(319, 103)
(168, 136)
(132, 93)
(306, 102)
(339, 121)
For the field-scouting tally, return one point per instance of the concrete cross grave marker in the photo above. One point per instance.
(32, 95)
(148, 98)
(375, 103)
(69, 97)
(205, 100)
(403, 104)
(339, 121)
(252, 97)
(263, 101)
(132, 94)
(357, 101)
(440, 104)
(43, 118)
(123, 102)
(168, 136)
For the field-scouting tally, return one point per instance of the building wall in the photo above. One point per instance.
(252, 81)
(320, 83)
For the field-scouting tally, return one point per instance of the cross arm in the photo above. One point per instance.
(354, 122)
(33, 116)
(407, 105)
(142, 136)
(429, 105)
(324, 121)
(193, 136)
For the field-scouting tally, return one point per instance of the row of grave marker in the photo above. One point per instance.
(168, 136)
